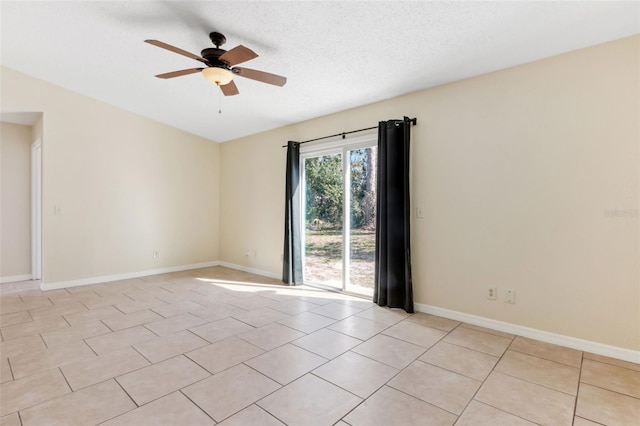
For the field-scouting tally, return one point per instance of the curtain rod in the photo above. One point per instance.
(413, 121)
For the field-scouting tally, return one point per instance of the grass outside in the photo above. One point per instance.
(323, 258)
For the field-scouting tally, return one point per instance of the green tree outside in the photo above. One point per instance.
(324, 191)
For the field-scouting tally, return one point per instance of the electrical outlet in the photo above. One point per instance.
(510, 296)
(491, 293)
(156, 253)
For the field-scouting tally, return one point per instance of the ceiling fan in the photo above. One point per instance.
(220, 65)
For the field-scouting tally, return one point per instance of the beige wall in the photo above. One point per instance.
(252, 200)
(15, 203)
(125, 186)
(516, 171)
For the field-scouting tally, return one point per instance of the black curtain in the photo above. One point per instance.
(393, 286)
(292, 258)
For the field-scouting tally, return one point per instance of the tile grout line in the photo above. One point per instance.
(30, 316)
(42, 402)
(538, 384)
(386, 383)
(267, 411)
(550, 360)
(65, 380)
(611, 390)
(13, 376)
(575, 401)
(192, 401)
(43, 341)
(115, 379)
(393, 366)
(611, 364)
(263, 397)
(400, 371)
(482, 383)
(150, 362)
(423, 401)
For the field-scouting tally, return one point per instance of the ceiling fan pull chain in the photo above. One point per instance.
(219, 101)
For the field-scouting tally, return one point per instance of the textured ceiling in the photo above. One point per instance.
(336, 55)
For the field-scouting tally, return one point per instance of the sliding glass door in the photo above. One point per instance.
(339, 181)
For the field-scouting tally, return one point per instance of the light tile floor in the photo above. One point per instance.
(221, 346)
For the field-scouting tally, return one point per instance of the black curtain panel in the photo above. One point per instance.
(393, 287)
(292, 254)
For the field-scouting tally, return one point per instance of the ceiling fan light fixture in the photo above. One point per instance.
(218, 76)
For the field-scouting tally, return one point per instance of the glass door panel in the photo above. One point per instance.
(323, 227)
(362, 229)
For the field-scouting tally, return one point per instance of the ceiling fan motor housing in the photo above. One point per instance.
(212, 55)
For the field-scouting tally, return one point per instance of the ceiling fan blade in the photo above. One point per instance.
(229, 89)
(175, 50)
(238, 55)
(264, 77)
(179, 73)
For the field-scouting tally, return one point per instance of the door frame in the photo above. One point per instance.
(36, 210)
(317, 149)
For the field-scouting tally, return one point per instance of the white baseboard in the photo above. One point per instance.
(15, 278)
(532, 333)
(128, 275)
(250, 270)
